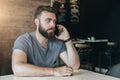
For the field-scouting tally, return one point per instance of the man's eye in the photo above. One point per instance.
(48, 20)
(54, 21)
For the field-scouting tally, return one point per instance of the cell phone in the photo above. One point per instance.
(57, 31)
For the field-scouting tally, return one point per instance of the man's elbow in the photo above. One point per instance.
(17, 74)
(17, 71)
(76, 66)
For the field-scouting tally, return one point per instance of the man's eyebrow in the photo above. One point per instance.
(51, 19)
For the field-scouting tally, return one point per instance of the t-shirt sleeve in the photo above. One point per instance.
(21, 44)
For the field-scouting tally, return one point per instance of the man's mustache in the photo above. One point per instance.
(51, 29)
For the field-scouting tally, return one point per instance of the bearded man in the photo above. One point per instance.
(35, 53)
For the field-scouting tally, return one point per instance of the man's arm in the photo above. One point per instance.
(70, 57)
(22, 68)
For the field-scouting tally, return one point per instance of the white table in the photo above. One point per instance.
(78, 75)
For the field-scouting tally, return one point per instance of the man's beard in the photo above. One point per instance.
(45, 33)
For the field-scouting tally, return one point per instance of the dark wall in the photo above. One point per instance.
(99, 18)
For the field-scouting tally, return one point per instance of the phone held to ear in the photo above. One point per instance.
(57, 31)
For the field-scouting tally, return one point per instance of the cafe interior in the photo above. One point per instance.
(93, 25)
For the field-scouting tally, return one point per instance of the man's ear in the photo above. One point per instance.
(36, 22)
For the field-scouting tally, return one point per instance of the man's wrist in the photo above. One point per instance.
(67, 40)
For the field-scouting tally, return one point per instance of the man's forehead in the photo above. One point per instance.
(47, 14)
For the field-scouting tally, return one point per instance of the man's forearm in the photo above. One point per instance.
(31, 70)
(73, 57)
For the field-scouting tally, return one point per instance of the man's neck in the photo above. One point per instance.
(41, 39)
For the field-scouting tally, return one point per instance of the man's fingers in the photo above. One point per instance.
(68, 71)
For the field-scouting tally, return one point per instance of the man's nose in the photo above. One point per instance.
(53, 24)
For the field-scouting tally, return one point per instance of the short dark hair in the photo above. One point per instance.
(42, 8)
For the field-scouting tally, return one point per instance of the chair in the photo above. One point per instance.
(5, 68)
(114, 71)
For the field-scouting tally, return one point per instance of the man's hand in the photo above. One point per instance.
(64, 34)
(63, 71)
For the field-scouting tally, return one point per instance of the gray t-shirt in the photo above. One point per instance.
(36, 54)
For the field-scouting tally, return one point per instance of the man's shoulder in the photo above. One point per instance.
(25, 37)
